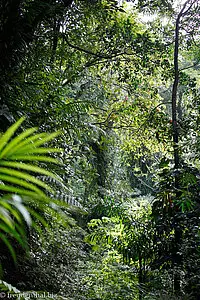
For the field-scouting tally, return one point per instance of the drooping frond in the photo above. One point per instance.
(60, 191)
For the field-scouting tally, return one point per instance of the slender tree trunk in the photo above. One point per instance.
(176, 152)
(182, 13)
(174, 97)
(177, 259)
(140, 278)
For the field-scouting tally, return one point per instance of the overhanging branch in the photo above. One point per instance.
(99, 55)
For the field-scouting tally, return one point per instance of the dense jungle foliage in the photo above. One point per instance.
(99, 149)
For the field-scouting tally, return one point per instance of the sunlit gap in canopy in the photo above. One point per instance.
(176, 3)
(148, 17)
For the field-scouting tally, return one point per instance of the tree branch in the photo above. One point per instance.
(191, 66)
(99, 55)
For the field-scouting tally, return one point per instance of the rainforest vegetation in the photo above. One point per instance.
(100, 149)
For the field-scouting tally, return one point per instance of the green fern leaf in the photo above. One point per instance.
(26, 176)
(21, 191)
(20, 182)
(12, 233)
(31, 150)
(15, 142)
(21, 208)
(34, 158)
(9, 246)
(46, 139)
(39, 218)
(8, 134)
(27, 141)
(5, 218)
(15, 178)
(28, 167)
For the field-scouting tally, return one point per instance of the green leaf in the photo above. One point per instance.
(15, 143)
(28, 167)
(38, 217)
(12, 232)
(26, 176)
(15, 179)
(23, 210)
(31, 150)
(5, 215)
(44, 139)
(26, 142)
(11, 130)
(34, 158)
(8, 244)
(21, 191)
(20, 182)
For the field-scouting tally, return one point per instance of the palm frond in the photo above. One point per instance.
(19, 181)
(9, 133)
(25, 147)
(13, 214)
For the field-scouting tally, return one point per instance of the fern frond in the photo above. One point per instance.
(15, 178)
(34, 158)
(26, 141)
(61, 192)
(25, 176)
(28, 167)
(9, 133)
(6, 241)
(14, 144)
(21, 182)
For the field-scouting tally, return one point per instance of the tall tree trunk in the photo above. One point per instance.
(140, 278)
(177, 259)
(176, 152)
(174, 97)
